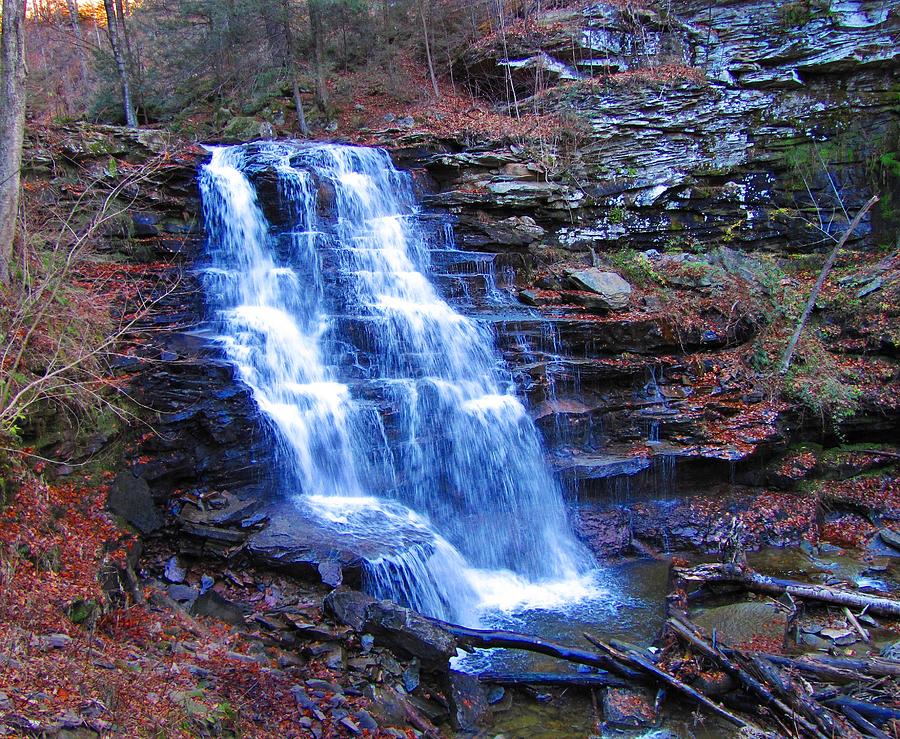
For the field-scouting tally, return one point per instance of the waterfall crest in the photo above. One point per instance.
(391, 407)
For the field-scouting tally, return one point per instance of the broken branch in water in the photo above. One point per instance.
(742, 575)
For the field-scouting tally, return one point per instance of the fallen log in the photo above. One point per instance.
(791, 694)
(811, 668)
(742, 575)
(688, 632)
(638, 662)
(478, 638)
(585, 680)
(835, 668)
(881, 714)
(863, 724)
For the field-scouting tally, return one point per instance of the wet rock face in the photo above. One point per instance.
(694, 140)
(693, 126)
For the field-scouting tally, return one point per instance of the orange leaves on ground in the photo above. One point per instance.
(139, 671)
(880, 493)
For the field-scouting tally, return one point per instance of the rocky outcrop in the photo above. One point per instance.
(691, 147)
(613, 292)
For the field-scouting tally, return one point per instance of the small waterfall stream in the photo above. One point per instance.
(391, 409)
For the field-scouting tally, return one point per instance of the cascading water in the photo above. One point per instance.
(391, 409)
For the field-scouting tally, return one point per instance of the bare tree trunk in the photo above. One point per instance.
(511, 86)
(388, 46)
(434, 83)
(12, 125)
(315, 25)
(132, 61)
(75, 22)
(292, 66)
(112, 28)
(823, 275)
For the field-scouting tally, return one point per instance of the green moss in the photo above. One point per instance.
(617, 214)
(817, 383)
(636, 267)
(800, 12)
(83, 611)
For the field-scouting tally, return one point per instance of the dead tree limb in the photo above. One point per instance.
(753, 581)
(479, 638)
(863, 724)
(823, 275)
(581, 680)
(688, 633)
(638, 662)
(881, 714)
(816, 669)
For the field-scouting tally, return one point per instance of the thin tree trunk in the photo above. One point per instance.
(298, 104)
(823, 275)
(434, 83)
(12, 125)
(131, 58)
(119, 57)
(292, 66)
(388, 31)
(315, 25)
(75, 22)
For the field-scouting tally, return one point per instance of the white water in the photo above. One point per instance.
(391, 409)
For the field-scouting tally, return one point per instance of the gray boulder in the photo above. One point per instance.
(130, 498)
(612, 290)
(401, 630)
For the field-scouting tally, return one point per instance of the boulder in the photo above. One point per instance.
(535, 297)
(213, 604)
(410, 634)
(891, 538)
(629, 707)
(246, 128)
(614, 291)
(294, 543)
(130, 498)
(469, 707)
(348, 607)
(401, 630)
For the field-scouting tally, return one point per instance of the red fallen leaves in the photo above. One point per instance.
(762, 643)
(53, 540)
(848, 530)
(139, 671)
(767, 518)
(880, 493)
(797, 466)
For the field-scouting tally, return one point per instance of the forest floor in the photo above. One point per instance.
(84, 646)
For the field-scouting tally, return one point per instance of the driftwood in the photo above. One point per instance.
(638, 662)
(734, 574)
(869, 710)
(795, 697)
(469, 638)
(791, 705)
(688, 632)
(836, 668)
(822, 713)
(581, 680)
(863, 724)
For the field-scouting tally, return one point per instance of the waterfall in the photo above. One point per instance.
(390, 407)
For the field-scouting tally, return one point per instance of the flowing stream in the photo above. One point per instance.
(392, 411)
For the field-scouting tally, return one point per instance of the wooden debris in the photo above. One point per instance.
(755, 582)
